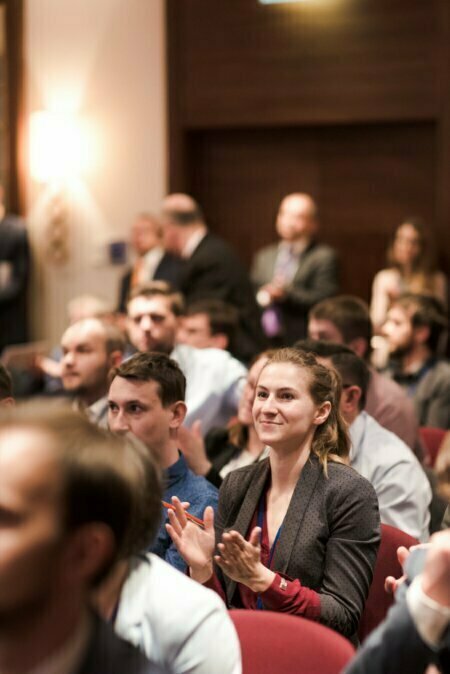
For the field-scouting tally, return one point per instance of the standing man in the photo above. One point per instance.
(146, 398)
(414, 328)
(90, 349)
(294, 274)
(214, 378)
(14, 272)
(212, 269)
(67, 508)
(152, 261)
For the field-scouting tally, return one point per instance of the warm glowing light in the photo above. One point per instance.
(61, 146)
(279, 2)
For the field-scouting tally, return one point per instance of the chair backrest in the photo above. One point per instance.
(379, 602)
(275, 643)
(431, 440)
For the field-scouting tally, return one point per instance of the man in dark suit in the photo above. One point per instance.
(14, 271)
(67, 506)
(294, 274)
(416, 631)
(212, 269)
(152, 261)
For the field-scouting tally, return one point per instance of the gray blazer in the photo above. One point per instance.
(329, 539)
(316, 278)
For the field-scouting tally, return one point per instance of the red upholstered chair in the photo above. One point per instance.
(277, 643)
(431, 440)
(378, 602)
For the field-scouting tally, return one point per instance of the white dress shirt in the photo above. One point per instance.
(214, 384)
(176, 621)
(403, 490)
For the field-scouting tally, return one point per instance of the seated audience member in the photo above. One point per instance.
(442, 471)
(416, 632)
(152, 261)
(146, 397)
(299, 531)
(414, 327)
(209, 324)
(345, 320)
(90, 349)
(6, 388)
(412, 268)
(402, 488)
(175, 621)
(212, 270)
(78, 309)
(294, 274)
(226, 449)
(67, 508)
(214, 378)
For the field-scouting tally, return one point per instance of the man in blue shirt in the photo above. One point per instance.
(146, 398)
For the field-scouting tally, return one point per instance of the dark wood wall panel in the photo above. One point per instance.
(244, 62)
(346, 99)
(365, 178)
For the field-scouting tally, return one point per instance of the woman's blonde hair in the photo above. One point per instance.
(331, 441)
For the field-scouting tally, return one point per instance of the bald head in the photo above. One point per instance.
(297, 217)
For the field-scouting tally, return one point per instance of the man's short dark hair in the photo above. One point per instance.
(321, 348)
(6, 388)
(157, 367)
(351, 368)
(160, 289)
(425, 311)
(99, 473)
(223, 318)
(348, 313)
(354, 372)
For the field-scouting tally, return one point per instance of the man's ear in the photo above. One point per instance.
(421, 334)
(179, 411)
(115, 358)
(89, 551)
(220, 341)
(360, 346)
(350, 398)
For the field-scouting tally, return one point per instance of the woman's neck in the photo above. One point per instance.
(254, 444)
(286, 465)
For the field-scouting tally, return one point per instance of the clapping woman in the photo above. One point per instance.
(299, 531)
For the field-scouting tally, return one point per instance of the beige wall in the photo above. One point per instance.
(104, 60)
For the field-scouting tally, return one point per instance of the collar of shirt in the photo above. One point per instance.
(151, 260)
(415, 376)
(98, 410)
(176, 472)
(356, 432)
(296, 247)
(68, 658)
(193, 242)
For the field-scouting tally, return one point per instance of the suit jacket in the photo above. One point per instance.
(14, 272)
(214, 271)
(109, 654)
(316, 278)
(396, 646)
(329, 539)
(168, 269)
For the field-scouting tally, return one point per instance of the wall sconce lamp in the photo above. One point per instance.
(60, 151)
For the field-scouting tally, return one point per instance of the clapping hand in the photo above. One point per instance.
(240, 560)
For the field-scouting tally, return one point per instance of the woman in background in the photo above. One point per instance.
(411, 268)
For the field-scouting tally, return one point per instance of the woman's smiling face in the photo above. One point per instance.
(283, 410)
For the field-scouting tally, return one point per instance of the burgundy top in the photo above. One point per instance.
(284, 594)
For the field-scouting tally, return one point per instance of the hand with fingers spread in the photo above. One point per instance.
(195, 545)
(241, 560)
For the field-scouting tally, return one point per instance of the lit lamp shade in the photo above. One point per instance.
(59, 147)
